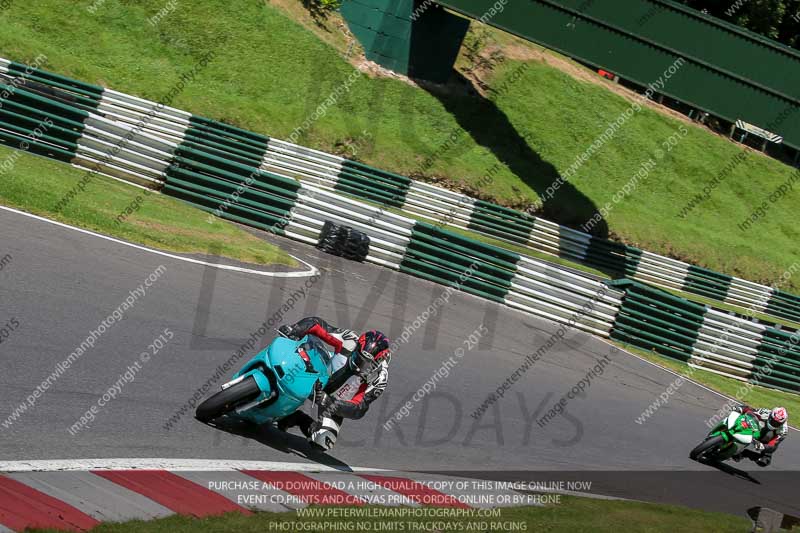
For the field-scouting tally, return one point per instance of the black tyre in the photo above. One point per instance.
(332, 241)
(706, 449)
(226, 400)
(356, 247)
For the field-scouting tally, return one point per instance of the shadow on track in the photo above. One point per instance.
(287, 443)
(731, 471)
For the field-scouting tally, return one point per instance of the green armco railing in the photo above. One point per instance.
(56, 80)
(613, 258)
(203, 178)
(36, 147)
(658, 321)
(501, 222)
(235, 132)
(784, 305)
(445, 257)
(705, 282)
(41, 103)
(372, 184)
(236, 213)
(230, 139)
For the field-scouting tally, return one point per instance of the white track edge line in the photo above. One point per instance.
(307, 273)
(52, 465)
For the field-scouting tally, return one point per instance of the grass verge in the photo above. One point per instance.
(571, 515)
(37, 185)
(744, 392)
(271, 73)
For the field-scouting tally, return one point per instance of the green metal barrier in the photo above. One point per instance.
(501, 222)
(88, 89)
(443, 256)
(724, 70)
(372, 184)
(42, 104)
(707, 283)
(655, 320)
(784, 305)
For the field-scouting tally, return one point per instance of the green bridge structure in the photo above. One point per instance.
(723, 70)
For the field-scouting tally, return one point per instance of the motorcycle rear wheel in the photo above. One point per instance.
(226, 400)
(702, 450)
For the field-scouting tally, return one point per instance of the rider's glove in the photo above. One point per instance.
(321, 397)
(763, 413)
(325, 404)
(379, 382)
(349, 341)
(286, 331)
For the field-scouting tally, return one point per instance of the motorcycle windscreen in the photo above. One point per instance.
(302, 363)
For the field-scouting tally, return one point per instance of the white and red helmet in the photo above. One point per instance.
(777, 418)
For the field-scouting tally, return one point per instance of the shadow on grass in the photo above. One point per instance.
(490, 128)
(320, 11)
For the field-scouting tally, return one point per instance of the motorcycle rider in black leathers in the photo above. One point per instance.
(361, 372)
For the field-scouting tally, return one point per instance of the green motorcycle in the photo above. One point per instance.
(730, 437)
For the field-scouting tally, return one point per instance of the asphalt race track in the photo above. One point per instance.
(61, 284)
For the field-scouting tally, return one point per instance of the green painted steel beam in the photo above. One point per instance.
(725, 70)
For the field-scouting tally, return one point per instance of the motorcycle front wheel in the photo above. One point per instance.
(707, 449)
(226, 400)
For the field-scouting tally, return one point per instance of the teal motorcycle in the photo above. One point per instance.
(274, 384)
(730, 437)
